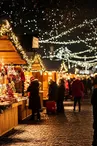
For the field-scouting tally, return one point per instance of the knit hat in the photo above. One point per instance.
(32, 78)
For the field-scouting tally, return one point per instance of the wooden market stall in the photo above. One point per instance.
(11, 53)
(36, 71)
(43, 70)
(54, 70)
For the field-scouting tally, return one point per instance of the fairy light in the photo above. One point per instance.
(62, 54)
(69, 31)
(63, 67)
(37, 59)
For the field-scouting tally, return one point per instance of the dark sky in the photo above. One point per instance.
(47, 18)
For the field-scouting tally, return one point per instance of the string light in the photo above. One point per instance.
(69, 31)
(61, 52)
(37, 59)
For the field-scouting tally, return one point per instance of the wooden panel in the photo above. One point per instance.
(14, 61)
(4, 37)
(6, 45)
(29, 111)
(24, 111)
(9, 54)
(8, 119)
(11, 57)
(36, 67)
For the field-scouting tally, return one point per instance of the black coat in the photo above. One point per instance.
(34, 98)
(61, 92)
(53, 91)
(94, 97)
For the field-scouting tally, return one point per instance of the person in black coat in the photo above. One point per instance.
(52, 91)
(34, 98)
(94, 104)
(61, 94)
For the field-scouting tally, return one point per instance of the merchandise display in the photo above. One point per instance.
(10, 82)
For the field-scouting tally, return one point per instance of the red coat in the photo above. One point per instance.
(77, 88)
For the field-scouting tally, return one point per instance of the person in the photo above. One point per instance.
(22, 75)
(61, 94)
(34, 98)
(94, 104)
(52, 90)
(77, 92)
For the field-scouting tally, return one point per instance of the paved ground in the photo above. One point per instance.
(71, 129)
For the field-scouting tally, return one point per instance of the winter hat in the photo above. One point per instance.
(32, 78)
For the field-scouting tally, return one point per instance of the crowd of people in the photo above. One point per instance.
(77, 90)
(58, 92)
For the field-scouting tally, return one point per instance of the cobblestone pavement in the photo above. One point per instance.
(71, 129)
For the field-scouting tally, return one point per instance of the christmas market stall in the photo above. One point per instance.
(53, 71)
(36, 70)
(12, 104)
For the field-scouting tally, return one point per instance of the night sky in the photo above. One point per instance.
(49, 18)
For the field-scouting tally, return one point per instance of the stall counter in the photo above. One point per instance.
(9, 119)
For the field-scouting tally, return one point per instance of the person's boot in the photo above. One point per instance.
(38, 116)
(74, 109)
(32, 117)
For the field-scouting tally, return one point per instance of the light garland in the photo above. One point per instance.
(69, 31)
(65, 54)
(62, 54)
(63, 67)
(37, 58)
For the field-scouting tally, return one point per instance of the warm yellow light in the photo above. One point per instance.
(45, 73)
(50, 73)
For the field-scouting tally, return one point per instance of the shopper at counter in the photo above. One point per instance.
(22, 77)
(34, 98)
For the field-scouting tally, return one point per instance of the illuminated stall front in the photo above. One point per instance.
(36, 70)
(54, 71)
(11, 54)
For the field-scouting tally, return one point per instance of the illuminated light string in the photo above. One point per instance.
(69, 31)
(84, 64)
(63, 67)
(70, 42)
(37, 59)
(81, 57)
(88, 50)
(72, 55)
(81, 52)
(65, 54)
(75, 55)
(95, 31)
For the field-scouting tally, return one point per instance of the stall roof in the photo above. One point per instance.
(37, 63)
(11, 52)
(63, 67)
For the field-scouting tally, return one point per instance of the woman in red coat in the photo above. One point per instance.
(77, 92)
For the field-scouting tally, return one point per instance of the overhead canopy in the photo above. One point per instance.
(11, 52)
